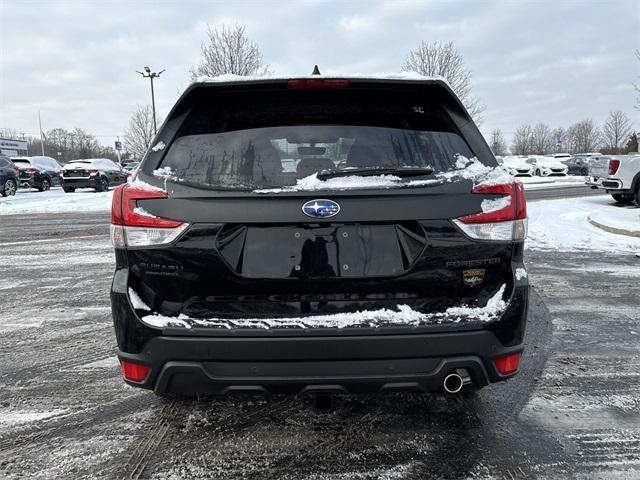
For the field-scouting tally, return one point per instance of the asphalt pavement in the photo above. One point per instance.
(573, 411)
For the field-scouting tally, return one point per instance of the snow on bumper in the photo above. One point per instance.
(403, 316)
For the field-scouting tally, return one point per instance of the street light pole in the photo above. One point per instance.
(151, 75)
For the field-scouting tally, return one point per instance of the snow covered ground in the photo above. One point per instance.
(625, 220)
(533, 183)
(563, 225)
(55, 201)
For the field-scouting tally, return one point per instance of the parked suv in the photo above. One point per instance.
(8, 177)
(319, 235)
(38, 172)
(96, 173)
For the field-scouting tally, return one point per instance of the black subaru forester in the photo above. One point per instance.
(319, 234)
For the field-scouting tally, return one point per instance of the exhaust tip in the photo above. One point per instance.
(452, 383)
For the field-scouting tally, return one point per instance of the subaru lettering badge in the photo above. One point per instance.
(320, 208)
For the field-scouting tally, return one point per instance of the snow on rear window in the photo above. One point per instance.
(252, 141)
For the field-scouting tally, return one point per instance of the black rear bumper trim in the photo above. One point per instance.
(191, 378)
(289, 365)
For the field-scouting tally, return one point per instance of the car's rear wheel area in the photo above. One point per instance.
(624, 198)
(102, 185)
(45, 185)
(9, 189)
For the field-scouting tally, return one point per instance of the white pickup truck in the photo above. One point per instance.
(619, 175)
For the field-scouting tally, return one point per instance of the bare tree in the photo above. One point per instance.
(229, 50)
(67, 145)
(541, 139)
(10, 133)
(583, 136)
(559, 140)
(443, 59)
(497, 143)
(522, 140)
(139, 134)
(616, 131)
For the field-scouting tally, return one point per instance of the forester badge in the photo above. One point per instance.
(473, 277)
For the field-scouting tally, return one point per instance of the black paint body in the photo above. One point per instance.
(249, 255)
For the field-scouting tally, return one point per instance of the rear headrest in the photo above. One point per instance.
(308, 166)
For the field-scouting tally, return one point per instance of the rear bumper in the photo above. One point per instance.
(79, 182)
(304, 361)
(295, 365)
(612, 185)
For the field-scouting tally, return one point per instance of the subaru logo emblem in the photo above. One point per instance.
(320, 208)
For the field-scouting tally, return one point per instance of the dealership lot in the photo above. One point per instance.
(65, 413)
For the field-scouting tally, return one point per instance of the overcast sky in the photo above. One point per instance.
(552, 61)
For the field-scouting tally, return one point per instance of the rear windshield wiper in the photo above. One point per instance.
(368, 172)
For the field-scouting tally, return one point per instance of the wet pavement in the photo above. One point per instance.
(573, 412)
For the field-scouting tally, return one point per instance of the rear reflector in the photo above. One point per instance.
(508, 364)
(318, 84)
(614, 165)
(504, 217)
(134, 372)
(132, 226)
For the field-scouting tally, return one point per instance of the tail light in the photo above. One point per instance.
(507, 364)
(92, 172)
(318, 83)
(134, 372)
(614, 165)
(132, 226)
(32, 170)
(504, 218)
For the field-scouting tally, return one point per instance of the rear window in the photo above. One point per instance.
(22, 163)
(252, 141)
(78, 164)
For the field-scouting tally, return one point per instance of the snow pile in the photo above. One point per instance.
(165, 172)
(158, 146)
(618, 219)
(55, 201)
(495, 204)
(403, 316)
(465, 168)
(313, 183)
(563, 225)
(137, 183)
(136, 301)
(142, 212)
(494, 307)
(474, 169)
(521, 273)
